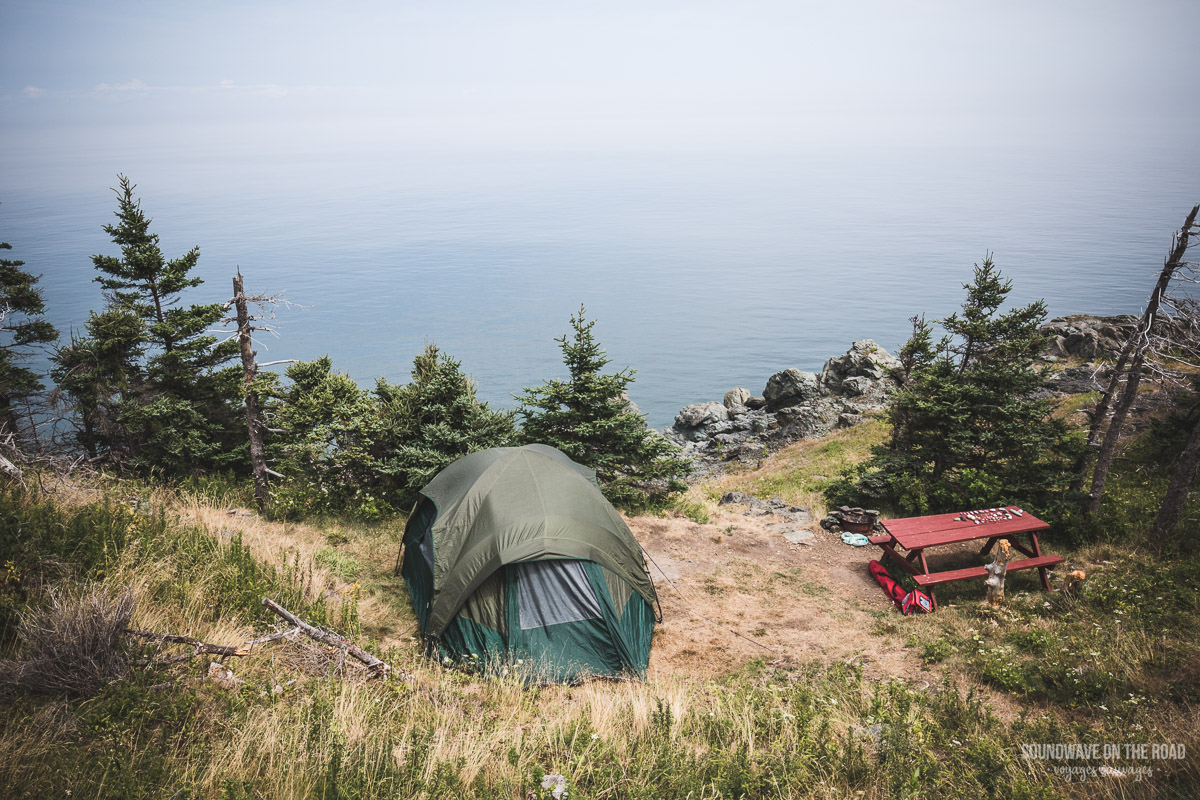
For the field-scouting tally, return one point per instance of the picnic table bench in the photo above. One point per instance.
(916, 534)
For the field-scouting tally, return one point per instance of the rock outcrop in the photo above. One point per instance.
(1091, 338)
(794, 405)
(1087, 337)
(857, 372)
(1093, 343)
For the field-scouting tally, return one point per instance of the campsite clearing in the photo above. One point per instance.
(734, 590)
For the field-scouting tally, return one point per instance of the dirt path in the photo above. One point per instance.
(790, 602)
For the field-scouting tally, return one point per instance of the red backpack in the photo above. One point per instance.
(907, 602)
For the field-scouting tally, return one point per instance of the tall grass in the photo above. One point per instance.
(288, 733)
(295, 728)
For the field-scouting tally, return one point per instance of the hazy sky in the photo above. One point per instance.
(250, 77)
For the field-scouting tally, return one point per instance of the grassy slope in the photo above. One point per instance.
(1116, 664)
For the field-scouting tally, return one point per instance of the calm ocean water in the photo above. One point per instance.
(704, 272)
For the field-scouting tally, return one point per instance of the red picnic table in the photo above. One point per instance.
(915, 534)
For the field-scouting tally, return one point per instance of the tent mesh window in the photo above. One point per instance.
(554, 592)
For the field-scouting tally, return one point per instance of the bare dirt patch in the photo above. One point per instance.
(735, 590)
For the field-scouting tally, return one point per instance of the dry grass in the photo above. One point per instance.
(73, 645)
(478, 724)
(799, 472)
(338, 566)
(296, 728)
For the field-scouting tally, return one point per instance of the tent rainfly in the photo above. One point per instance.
(515, 560)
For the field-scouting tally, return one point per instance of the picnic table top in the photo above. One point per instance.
(915, 533)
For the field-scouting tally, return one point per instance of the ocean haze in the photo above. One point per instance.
(704, 271)
(729, 188)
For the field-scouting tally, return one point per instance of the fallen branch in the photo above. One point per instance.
(380, 668)
(290, 633)
(199, 646)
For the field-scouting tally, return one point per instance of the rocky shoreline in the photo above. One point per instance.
(794, 405)
(743, 428)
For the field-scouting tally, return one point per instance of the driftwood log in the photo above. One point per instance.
(380, 668)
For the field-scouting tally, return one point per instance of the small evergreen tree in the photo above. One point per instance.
(434, 420)
(327, 452)
(174, 408)
(369, 453)
(968, 429)
(589, 417)
(22, 331)
(99, 372)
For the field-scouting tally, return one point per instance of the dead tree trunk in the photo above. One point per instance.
(1100, 413)
(1177, 492)
(9, 468)
(1108, 448)
(258, 451)
(1136, 347)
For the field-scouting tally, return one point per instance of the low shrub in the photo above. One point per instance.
(73, 645)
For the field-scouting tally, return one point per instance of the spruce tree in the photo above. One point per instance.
(100, 372)
(434, 420)
(969, 428)
(175, 409)
(328, 451)
(22, 330)
(589, 417)
(369, 453)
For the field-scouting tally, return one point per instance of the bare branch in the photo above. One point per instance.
(380, 668)
(197, 645)
(289, 634)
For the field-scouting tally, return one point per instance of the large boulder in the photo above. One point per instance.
(791, 387)
(857, 385)
(865, 359)
(735, 400)
(1088, 337)
(798, 422)
(698, 414)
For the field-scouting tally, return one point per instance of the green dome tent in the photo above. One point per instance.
(513, 555)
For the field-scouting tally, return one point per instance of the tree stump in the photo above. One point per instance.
(997, 570)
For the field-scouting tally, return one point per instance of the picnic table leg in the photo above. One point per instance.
(904, 561)
(1042, 571)
(1020, 548)
(987, 548)
(925, 568)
